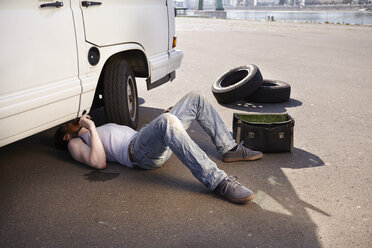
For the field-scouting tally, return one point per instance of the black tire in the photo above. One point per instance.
(271, 91)
(120, 95)
(237, 84)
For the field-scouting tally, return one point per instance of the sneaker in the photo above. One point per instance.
(242, 153)
(233, 191)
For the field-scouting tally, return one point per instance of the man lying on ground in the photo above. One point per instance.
(153, 145)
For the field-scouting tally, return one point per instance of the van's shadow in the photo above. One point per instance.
(145, 116)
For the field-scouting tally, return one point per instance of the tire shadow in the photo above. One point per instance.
(246, 106)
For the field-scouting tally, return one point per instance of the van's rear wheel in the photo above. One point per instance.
(120, 95)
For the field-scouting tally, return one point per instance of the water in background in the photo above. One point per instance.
(339, 17)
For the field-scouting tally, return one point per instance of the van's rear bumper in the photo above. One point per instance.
(161, 66)
(175, 57)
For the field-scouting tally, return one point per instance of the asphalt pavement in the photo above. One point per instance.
(319, 195)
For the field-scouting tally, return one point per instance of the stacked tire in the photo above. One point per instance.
(246, 82)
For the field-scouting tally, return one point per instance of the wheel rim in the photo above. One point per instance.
(131, 98)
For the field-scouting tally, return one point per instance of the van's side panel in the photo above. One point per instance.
(38, 66)
(108, 24)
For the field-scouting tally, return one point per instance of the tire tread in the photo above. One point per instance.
(115, 101)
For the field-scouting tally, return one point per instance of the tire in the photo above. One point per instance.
(120, 95)
(237, 84)
(271, 91)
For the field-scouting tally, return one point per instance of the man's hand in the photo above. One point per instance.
(94, 155)
(86, 121)
(167, 110)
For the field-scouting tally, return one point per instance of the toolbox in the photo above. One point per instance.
(264, 132)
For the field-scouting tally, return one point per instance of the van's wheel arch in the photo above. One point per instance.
(120, 97)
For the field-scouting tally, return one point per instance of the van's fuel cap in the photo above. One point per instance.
(93, 56)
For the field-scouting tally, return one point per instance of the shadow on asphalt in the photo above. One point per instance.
(277, 210)
(276, 218)
(245, 106)
(100, 176)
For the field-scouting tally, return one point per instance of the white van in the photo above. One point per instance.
(59, 58)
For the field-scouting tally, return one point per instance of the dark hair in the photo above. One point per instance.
(60, 133)
(59, 142)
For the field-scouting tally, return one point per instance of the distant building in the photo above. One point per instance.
(208, 4)
(178, 3)
(190, 4)
(319, 2)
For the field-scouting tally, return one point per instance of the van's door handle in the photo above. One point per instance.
(89, 3)
(56, 4)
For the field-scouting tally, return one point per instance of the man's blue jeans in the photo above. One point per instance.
(153, 144)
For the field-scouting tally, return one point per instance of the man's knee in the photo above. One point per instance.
(195, 95)
(171, 120)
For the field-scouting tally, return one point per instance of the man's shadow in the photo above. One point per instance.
(277, 209)
(266, 176)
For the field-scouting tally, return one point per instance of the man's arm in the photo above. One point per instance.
(93, 156)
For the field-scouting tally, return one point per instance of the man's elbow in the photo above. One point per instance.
(101, 165)
(98, 164)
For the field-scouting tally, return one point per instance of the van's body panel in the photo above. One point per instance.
(45, 76)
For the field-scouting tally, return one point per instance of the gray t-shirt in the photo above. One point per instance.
(115, 139)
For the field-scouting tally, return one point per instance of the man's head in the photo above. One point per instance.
(65, 133)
